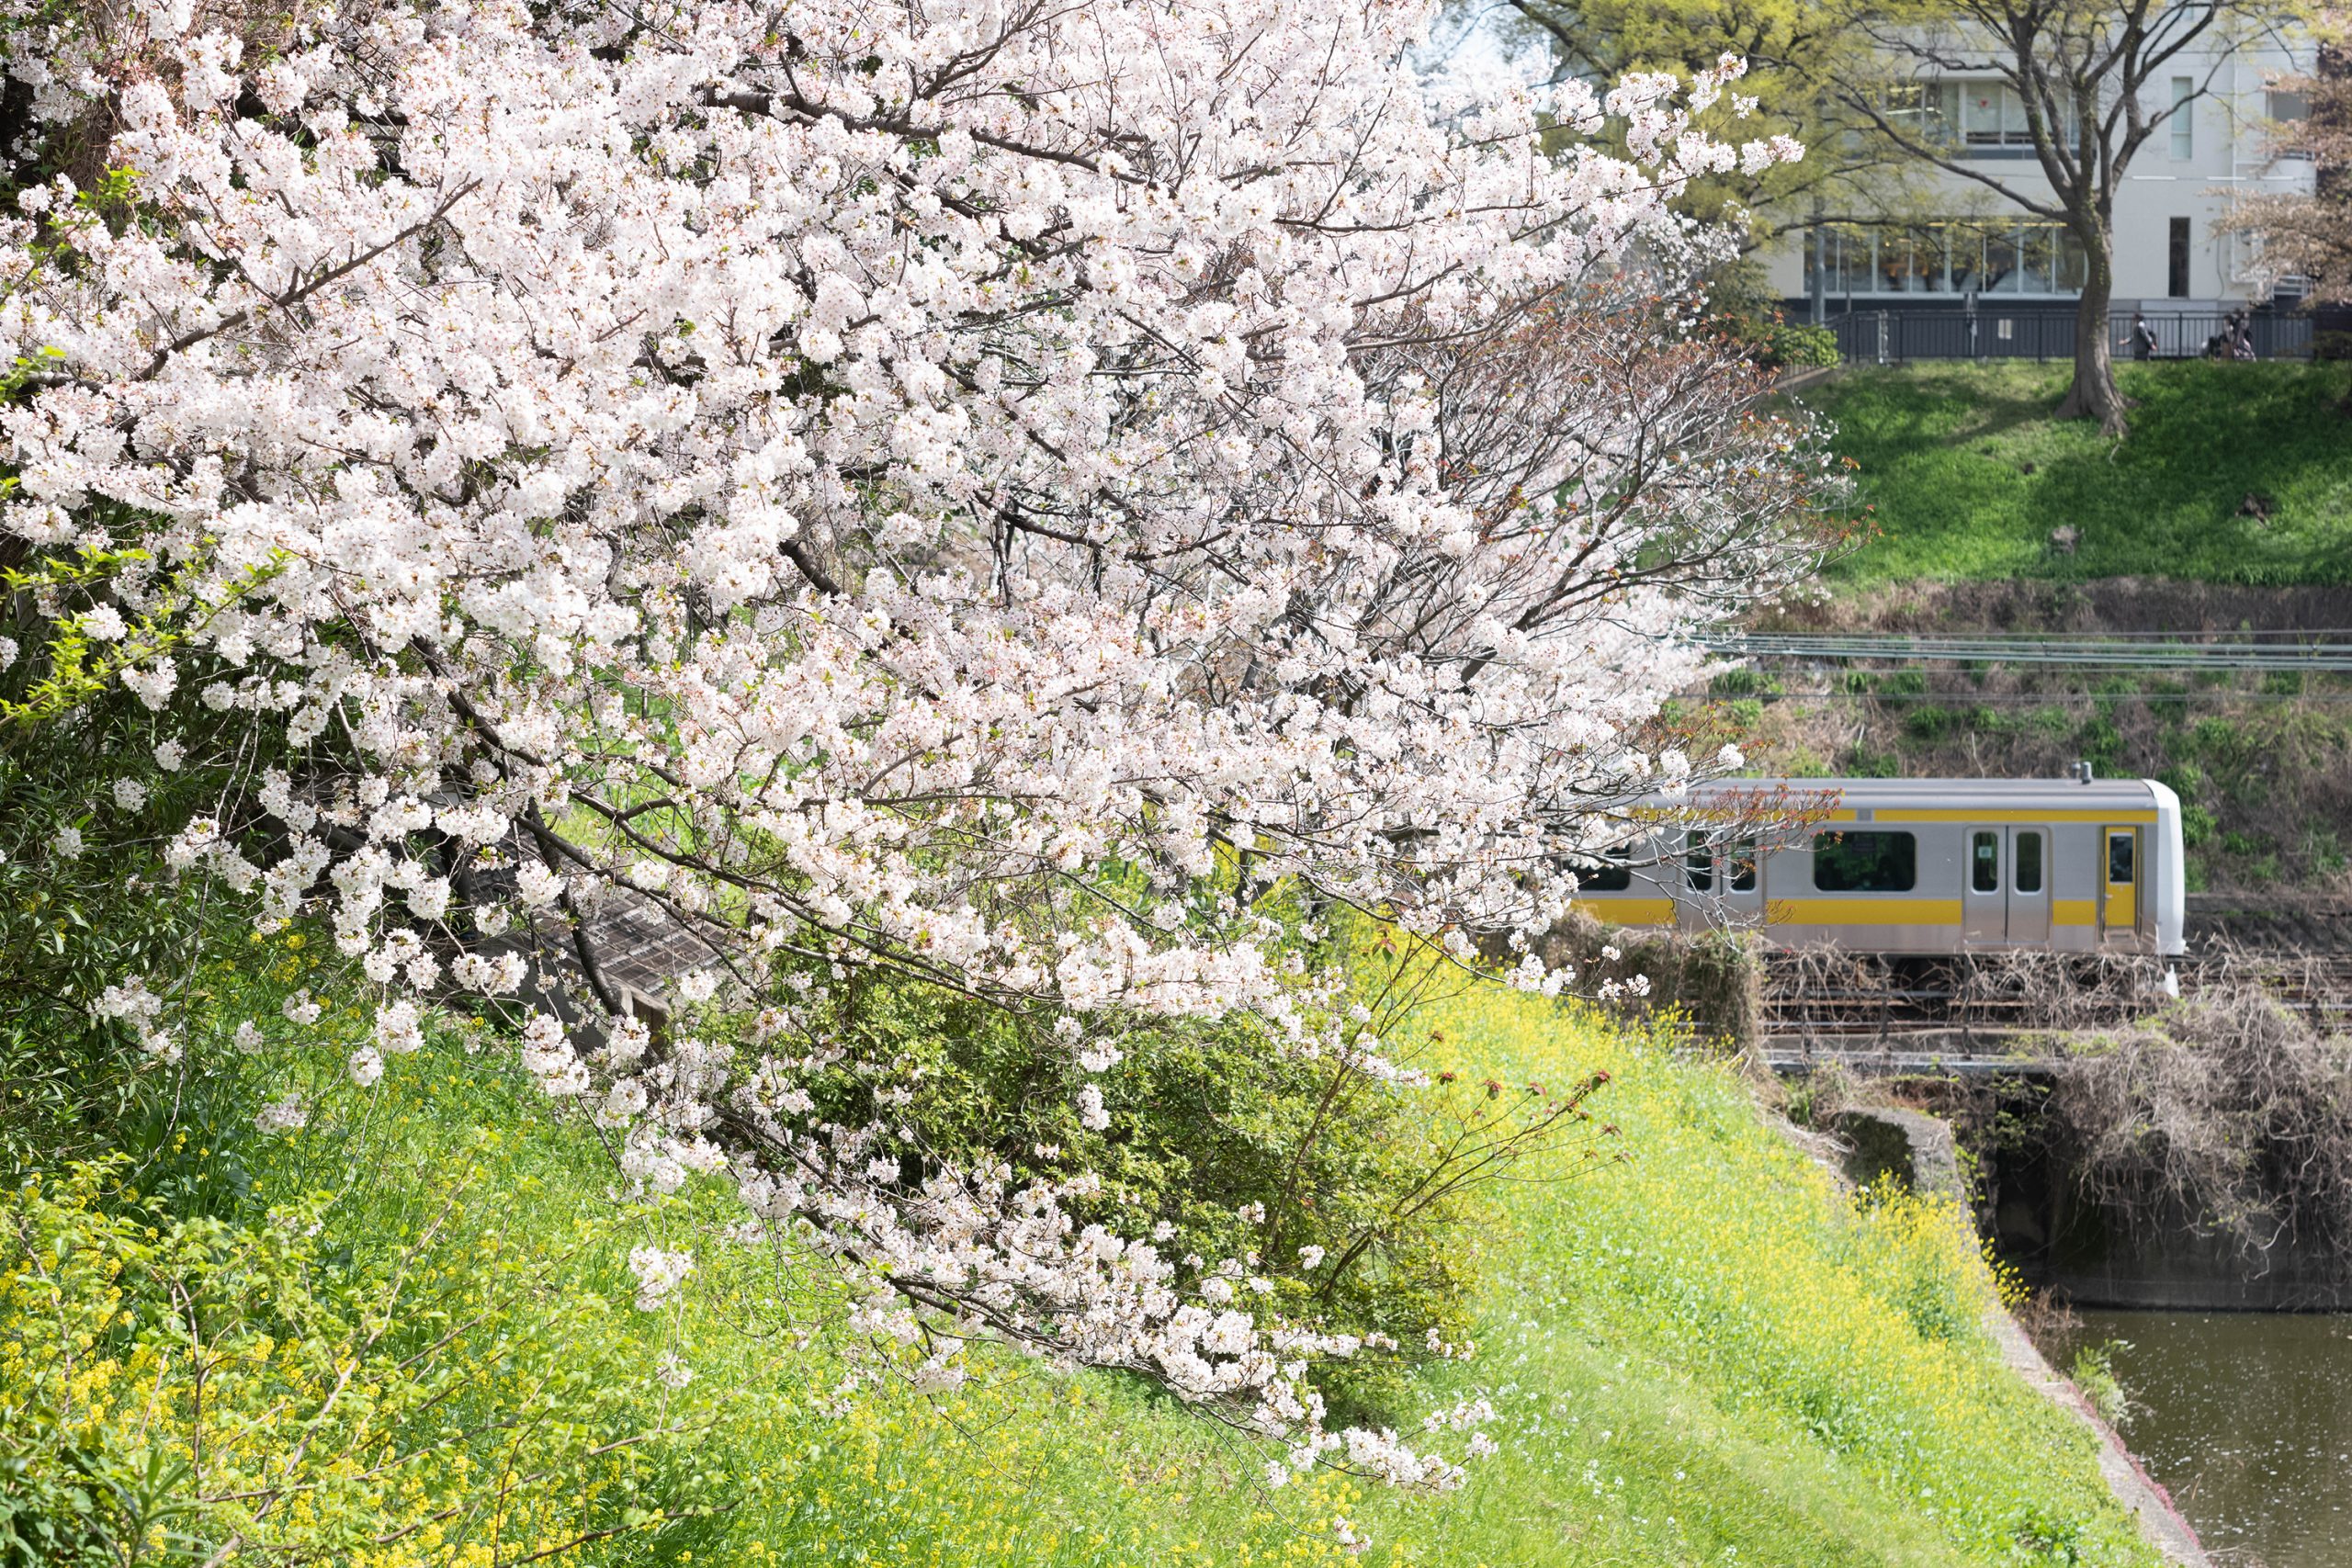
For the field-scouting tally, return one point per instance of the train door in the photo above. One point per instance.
(1743, 869)
(2029, 886)
(1726, 881)
(2004, 888)
(2118, 906)
(1984, 899)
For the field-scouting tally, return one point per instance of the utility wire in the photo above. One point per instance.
(2042, 652)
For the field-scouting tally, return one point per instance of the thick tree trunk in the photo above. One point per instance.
(2094, 395)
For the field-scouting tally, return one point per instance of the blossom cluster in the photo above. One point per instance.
(984, 491)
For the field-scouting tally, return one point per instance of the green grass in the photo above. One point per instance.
(1702, 1353)
(1942, 455)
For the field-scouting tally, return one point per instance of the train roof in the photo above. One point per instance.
(2013, 795)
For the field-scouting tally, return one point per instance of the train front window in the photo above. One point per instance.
(2028, 875)
(1699, 862)
(1739, 863)
(1985, 862)
(1865, 862)
(2118, 859)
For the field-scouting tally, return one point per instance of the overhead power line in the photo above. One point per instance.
(2134, 653)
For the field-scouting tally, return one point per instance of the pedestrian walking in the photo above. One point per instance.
(2144, 337)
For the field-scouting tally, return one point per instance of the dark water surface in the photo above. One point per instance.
(2246, 1419)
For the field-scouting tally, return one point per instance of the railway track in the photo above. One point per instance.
(1986, 1016)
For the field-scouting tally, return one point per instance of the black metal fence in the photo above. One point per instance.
(1892, 337)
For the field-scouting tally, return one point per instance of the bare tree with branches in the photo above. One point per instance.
(2083, 71)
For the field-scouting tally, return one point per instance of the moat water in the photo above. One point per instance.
(2246, 1419)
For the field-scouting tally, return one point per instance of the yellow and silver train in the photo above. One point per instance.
(1909, 865)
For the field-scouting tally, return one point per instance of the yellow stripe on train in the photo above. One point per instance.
(1627, 911)
(1987, 818)
(1829, 911)
(1878, 912)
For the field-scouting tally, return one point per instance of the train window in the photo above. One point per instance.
(2029, 872)
(2119, 858)
(1699, 860)
(1985, 862)
(1739, 865)
(1865, 862)
(1616, 876)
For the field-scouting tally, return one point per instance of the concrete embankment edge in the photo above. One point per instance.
(1934, 1166)
(2133, 1487)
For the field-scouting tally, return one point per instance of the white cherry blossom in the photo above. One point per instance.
(844, 484)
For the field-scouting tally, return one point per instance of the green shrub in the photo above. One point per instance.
(2101, 743)
(1747, 683)
(1929, 725)
(2093, 1371)
(1347, 1192)
(1901, 684)
(1784, 346)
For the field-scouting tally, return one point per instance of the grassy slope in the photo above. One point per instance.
(1702, 1355)
(1943, 452)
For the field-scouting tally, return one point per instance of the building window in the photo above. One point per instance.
(1992, 115)
(1927, 110)
(2177, 269)
(1948, 259)
(2184, 119)
(1865, 862)
(2287, 110)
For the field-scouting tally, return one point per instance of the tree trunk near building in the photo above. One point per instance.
(2094, 394)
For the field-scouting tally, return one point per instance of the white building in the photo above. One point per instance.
(1973, 249)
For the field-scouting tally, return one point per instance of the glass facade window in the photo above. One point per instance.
(2285, 108)
(1987, 117)
(1992, 114)
(1951, 258)
(2037, 258)
(2074, 267)
(2184, 118)
(1929, 110)
(1895, 273)
(1965, 254)
(2001, 273)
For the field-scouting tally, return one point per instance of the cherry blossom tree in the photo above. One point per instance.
(1016, 495)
